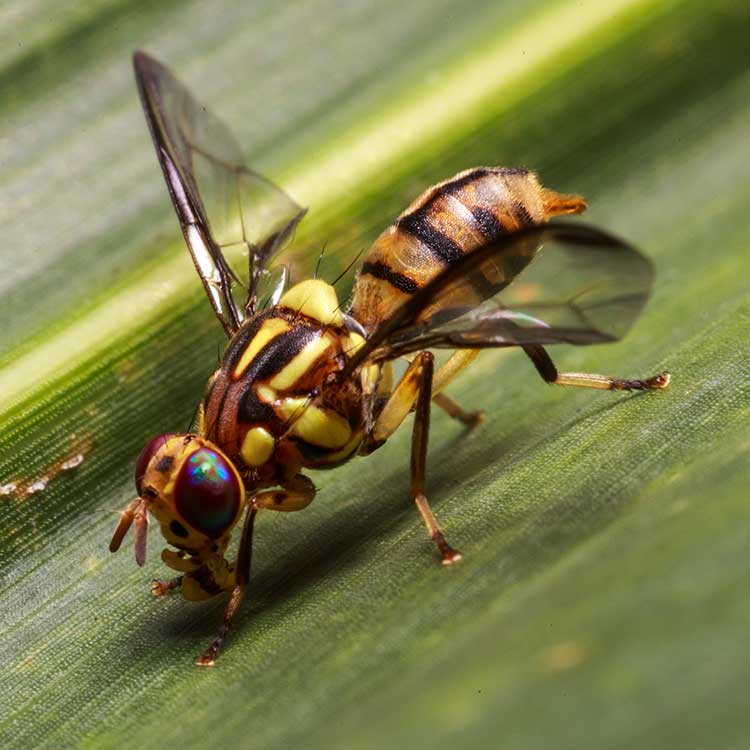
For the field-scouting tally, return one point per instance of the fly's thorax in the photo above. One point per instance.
(447, 221)
(193, 490)
(276, 403)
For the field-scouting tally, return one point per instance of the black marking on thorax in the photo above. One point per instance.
(241, 340)
(269, 361)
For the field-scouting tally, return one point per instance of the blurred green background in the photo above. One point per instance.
(602, 601)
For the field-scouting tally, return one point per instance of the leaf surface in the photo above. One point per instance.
(602, 599)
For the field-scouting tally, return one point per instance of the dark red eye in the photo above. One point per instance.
(207, 492)
(146, 455)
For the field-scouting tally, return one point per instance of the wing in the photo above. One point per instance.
(584, 286)
(220, 203)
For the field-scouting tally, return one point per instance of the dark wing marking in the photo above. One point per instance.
(219, 202)
(584, 287)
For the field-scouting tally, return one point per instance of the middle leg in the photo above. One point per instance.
(456, 364)
(450, 407)
(414, 389)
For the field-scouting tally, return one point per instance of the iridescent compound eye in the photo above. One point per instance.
(146, 455)
(207, 492)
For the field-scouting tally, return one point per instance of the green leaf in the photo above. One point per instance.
(602, 598)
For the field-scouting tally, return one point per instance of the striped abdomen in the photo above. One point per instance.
(452, 218)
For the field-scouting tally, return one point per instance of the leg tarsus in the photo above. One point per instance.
(546, 368)
(162, 588)
(589, 380)
(448, 553)
(448, 405)
(209, 656)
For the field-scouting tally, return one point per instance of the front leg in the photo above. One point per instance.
(242, 576)
(162, 588)
(295, 494)
(415, 388)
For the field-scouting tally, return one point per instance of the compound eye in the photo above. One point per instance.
(147, 454)
(207, 492)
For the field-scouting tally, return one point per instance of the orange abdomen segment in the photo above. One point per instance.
(452, 218)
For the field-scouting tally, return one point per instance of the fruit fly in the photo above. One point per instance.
(473, 263)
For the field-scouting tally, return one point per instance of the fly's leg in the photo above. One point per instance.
(419, 440)
(161, 588)
(208, 657)
(456, 364)
(546, 368)
(415, 388)
(452, 368)
(448, 405)
(296, 493)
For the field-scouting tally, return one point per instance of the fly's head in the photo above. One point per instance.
(191, 488)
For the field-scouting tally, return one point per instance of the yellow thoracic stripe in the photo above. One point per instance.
(299, 365)
(315, 425)
(265, 394)
(269, 330)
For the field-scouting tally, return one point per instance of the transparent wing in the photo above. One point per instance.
(571, 283)
(220, 203)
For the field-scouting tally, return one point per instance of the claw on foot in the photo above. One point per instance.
(162, 588)
(447, 552)
(452, 557)
(473, 418)
(661, 380)
(205, 660)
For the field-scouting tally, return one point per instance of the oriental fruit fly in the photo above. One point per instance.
(303, 384)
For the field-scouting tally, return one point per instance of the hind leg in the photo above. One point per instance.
(546, 368)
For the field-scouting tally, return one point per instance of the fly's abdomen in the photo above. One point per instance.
(448, 220)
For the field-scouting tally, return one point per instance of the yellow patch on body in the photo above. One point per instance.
(266, 394)
(352, 343)
(350, 446)
(314, 424)
(300, 364)
(315, 298)
(270, 329)
(257, 447)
